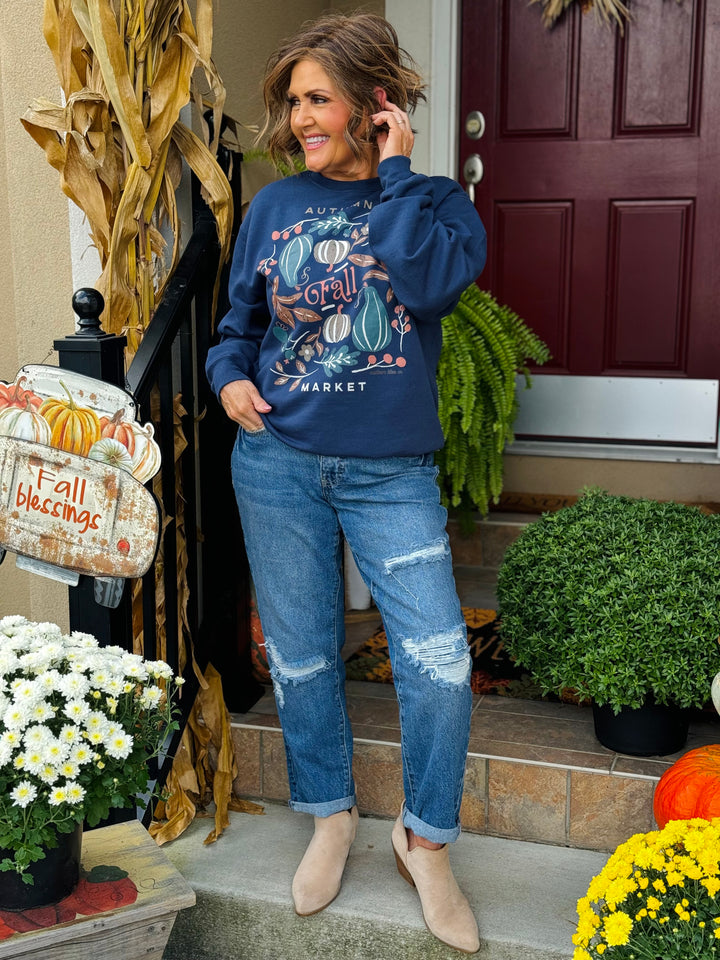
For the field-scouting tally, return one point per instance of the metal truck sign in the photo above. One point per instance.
(73, 461)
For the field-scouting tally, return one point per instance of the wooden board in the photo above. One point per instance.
(139, 929)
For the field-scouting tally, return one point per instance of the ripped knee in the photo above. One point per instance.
(436, 550)
(284, 671)
(445, 656)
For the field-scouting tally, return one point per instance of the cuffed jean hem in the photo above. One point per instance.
(324, 809)
(433, 834)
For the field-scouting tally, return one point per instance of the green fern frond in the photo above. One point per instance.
(485, 344)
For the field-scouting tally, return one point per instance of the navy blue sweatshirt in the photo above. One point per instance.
(337, 292)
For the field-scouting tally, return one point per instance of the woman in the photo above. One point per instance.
(327, 358)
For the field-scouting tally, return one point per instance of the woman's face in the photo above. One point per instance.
(318, 119)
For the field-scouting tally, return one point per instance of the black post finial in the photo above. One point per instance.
(88, 304)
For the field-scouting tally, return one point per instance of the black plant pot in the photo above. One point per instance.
(55, 876)
(648, 731)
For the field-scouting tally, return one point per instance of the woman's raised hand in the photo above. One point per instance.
(241, 401)
(395, 137)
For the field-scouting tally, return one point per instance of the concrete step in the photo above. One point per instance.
(523, 894)
(486, 544)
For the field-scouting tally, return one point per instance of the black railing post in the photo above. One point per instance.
(95, 353)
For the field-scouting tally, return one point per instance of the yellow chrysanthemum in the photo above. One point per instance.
(711, 884)
(616, 929)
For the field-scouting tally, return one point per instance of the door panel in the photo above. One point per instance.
(601, 191)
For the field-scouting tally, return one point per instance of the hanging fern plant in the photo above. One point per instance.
(484, 346)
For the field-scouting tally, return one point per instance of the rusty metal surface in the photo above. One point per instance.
(74, 512)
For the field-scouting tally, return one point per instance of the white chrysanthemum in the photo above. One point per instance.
(74, 793)
(114, 686)
(35, 662)
(42, 711)
(119, 745)
(95, 737)
(34, 761)
(49, 681)
(23, 794)
(133, 667)
(16, 717)
(19, 761)
(36, 736)
(76, 710)
(4, 703)
(56, 751)
(6, 752)
(81, 754)
(69, 734)
(74, 685)
(151, 696)
(83, 639)
(48, 774)
(11, 738)
(8, 663)
(57, 796)
(95, 720)
(9, 623)
(69, 769)
(25, 691)
(158, 668)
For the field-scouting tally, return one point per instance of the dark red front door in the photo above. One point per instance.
(601, 190)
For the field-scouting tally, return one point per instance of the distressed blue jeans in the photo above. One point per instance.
(295, 508)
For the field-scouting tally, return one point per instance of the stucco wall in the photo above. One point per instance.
(35, 275)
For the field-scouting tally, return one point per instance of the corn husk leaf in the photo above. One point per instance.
(607, 10)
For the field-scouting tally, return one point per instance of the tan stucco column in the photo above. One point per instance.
(35, 273)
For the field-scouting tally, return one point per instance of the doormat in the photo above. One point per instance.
(493, 669)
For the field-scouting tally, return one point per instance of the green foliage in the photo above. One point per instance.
(616, 598)
(484, 346)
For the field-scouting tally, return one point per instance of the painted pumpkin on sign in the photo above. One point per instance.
(25, 424)
(690, 787)
(73, 428)
(336, 327)
(371, 330)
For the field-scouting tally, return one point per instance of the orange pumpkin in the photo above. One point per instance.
(690, 787)
(73, 428)
(120, 429)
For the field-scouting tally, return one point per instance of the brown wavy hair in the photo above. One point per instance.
(358, 52)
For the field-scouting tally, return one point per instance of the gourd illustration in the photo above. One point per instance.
(371, 329)
(293, 258)
(73, 428)
(111, 451)
(146, 459)
(331, 252)
(690, 787)
(117, 428)
(24, 424)
(336, 327)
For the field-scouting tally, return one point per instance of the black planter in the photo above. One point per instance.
(55, 876)
(648, 731)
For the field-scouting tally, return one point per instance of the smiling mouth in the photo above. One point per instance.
(312, 143)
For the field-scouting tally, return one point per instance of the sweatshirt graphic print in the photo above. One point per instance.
(320, 326)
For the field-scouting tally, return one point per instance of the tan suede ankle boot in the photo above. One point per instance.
(445, 909)
(318, 879)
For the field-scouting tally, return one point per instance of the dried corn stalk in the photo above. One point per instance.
(127, 68)
(607, 10)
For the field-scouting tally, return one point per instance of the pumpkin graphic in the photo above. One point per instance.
(74, 428)
(331, 252)
(336, 327)
(293, 257)
(371, 330)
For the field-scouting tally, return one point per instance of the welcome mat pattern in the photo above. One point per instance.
(493, 670)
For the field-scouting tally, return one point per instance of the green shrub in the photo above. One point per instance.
(616, 599)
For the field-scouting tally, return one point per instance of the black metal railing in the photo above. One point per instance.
(192, 606)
